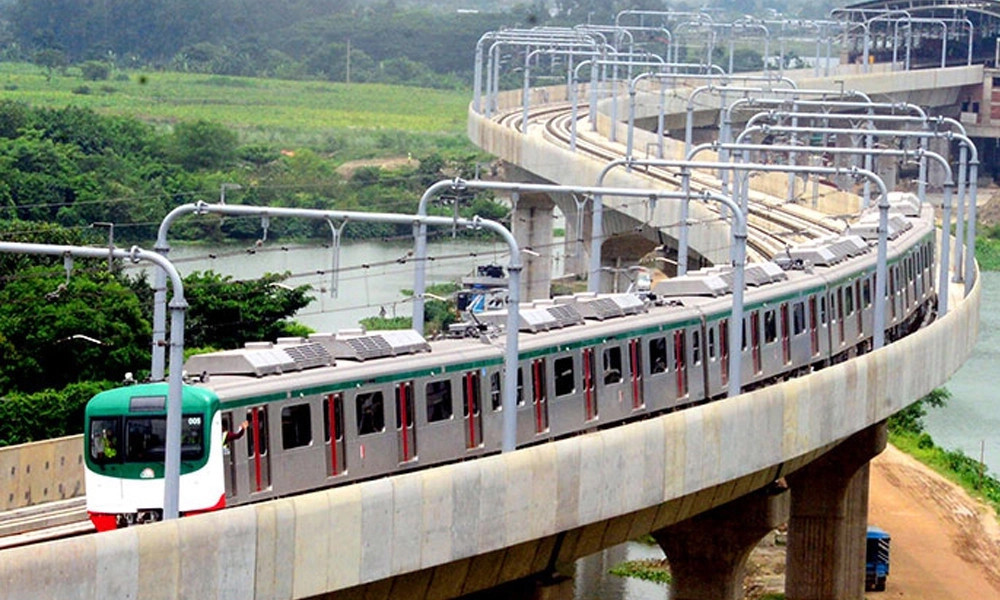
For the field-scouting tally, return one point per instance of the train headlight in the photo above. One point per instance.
(146, 473)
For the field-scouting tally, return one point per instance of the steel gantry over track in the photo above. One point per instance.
(266, 213)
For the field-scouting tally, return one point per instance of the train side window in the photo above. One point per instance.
(848, 300)
(658, 355)
(564, 376)
(866, 292)
(798, 318)
(711, 343)
(438, 400)
(105, 439)
(296, 426)
(770, 327)
(696, 347)
(370, 412)
(612, 365)
(822, 310)
(744, 333)
(496, 400)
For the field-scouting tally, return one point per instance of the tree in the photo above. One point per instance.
(51, 59)
(224, 313)
(203, 145)
(55, 331)
(911, 418)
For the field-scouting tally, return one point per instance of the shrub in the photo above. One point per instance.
(94, 70)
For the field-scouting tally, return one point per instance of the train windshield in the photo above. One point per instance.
(143, 439)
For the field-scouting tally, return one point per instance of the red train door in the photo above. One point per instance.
(635, 372)
(813, 327)
(859, 307)
(539, 395)
(755, 340)
(471, 410)
(680, 363)
(258, 457)
(589, 396)
(840, 314)
(333, 426)
(229, 458)
(405, 414)
(724, 351)
(786, 343)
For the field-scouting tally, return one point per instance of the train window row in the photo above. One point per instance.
(610, 375)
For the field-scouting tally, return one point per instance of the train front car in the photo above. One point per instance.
(125, 445)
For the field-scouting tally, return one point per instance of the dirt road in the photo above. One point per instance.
(945, 546)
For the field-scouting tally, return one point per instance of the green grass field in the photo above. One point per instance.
(303, 113)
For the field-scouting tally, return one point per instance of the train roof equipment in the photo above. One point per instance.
(260, 359)
(695, 283)
(599, 307)
(358, 345)
(907, 203)
(566, 311)
(823, 251)
(296, 354)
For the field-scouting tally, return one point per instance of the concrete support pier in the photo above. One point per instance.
(829, 517)
(708, 552)
(532, 228)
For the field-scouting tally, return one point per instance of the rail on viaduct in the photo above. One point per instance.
(703, 481)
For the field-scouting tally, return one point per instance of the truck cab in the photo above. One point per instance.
(876, 559)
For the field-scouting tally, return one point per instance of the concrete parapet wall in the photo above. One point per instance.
(598, 487)
(41, 472)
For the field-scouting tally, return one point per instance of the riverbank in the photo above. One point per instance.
(945, 544)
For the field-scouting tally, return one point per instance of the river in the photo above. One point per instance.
(970, 422)
(372, 273)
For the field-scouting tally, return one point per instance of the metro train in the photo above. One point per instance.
(350, 406)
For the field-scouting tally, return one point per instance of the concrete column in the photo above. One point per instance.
(935, 175)
(532, 228)
(576, 249)
(829, 516)
(708, 552)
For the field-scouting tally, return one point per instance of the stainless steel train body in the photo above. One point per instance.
(392, 402)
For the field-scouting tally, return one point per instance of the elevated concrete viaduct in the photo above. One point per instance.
(718, 470)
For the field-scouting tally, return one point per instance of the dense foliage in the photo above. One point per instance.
(46, 414)
(74, 167)
(988, 248)
(56, 330)
(227, 313)
(346, 40)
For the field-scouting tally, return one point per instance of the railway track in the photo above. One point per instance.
(44, 522)
(773, 223)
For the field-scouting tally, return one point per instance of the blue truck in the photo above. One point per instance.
(876, 559)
